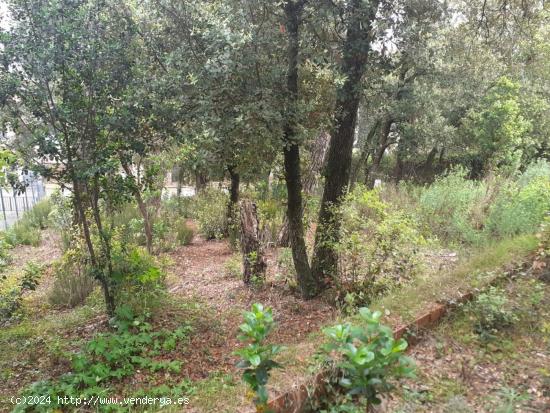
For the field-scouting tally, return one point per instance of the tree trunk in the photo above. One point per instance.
(365, 154)
(338, 167)
(291, 151)
(200, 181)
(372, 170)
(254, 262)
(309, 180)
(232, 223)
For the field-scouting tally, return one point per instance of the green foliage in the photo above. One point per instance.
(73, 281)
(23, 233)
(378, 247)
(184, 233)
(5, 257)
(140, 281)
(61, 217)
(535, 170)
(210, 210)
(519, 210)
(498, 126)
(492, 312)
(26, 231)
(257, 356)
(11, 296)
(367, 357)
(448, 206)
(38, 215)
(111, 357)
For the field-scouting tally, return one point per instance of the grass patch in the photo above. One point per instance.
(474, 271)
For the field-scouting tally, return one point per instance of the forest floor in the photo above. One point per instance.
(206, 296)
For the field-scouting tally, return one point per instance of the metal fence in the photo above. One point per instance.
(14, 203)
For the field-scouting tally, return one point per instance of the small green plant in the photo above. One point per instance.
(492, 312)
(367, 356)
(31, 276)
(184, 233)
(233, 266)
(257, 357)
(111, 357)
(510, 398)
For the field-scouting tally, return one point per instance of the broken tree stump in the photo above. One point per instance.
(254, 262)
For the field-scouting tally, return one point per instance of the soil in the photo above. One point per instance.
(198, 272)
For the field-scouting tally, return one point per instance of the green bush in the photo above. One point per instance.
(378, 248)
(448, 207)
(23, 233)
(210, 210)
(539, 169)
(184, 233)
(38, 215)
(26, 231)
(492, 312)
(61, 217)
(11, 297)
(519, 210)
(137, 279)
(73, 282)
(367, 357)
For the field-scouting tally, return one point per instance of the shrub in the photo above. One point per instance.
(210, 211)
(184, 233)
(26, 231)
(257, 356)
(23, 233)
(139, 282)
(448, 207)
(73, 283)
(492, 312)
(11, 297)
(38, 215)
(535, 170)
(5, 257)
(367, 356)
(520, 210)
(61, 217)
(378, 247)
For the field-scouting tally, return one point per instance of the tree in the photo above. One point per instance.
(355, 50)
(68, 65)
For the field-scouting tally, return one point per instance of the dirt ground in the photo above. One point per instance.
(198, 272)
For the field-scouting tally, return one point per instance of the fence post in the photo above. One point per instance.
(3, 209)
(15, 202)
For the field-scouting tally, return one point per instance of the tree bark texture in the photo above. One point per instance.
(291, 151)
(338, 166)
(254, 262)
